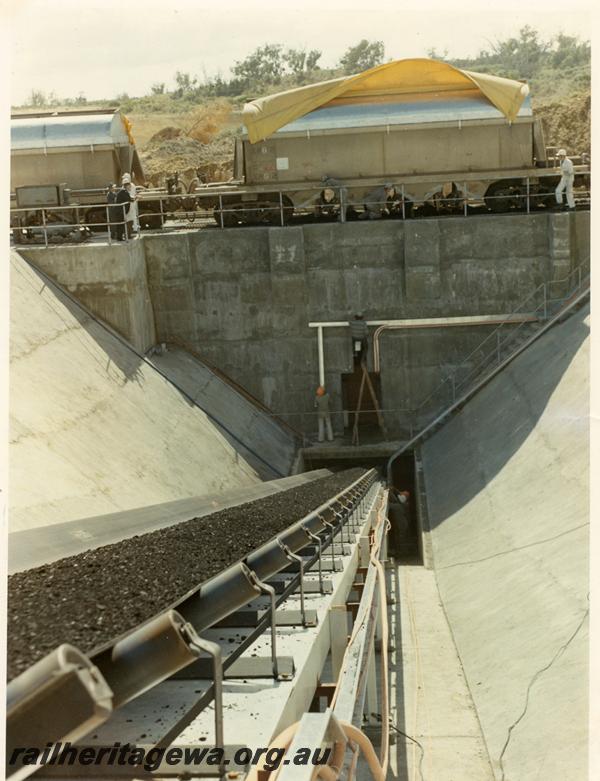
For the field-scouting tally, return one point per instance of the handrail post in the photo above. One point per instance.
(44, 228)
(465, 197)
(108, 226)
(527, 195)
(281, 208)
(403, 206)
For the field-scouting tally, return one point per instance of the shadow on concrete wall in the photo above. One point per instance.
(510, 406)
(124, 363)
(117, 349)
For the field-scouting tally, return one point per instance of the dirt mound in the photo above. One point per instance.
(187, 155)
(202, 143)
(206, 122)
(166, 134)
(567, 122)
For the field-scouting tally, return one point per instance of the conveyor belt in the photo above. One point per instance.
(42, 545)
(140, 659)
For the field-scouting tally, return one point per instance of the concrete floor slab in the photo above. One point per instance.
(432, 700)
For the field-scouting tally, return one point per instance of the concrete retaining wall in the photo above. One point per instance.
(507, 495)
(243, 298)
(110, 280)
(94, 429)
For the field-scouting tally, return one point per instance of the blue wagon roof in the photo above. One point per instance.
(76, 130)
(436, 108)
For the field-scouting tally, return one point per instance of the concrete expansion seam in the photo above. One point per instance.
(533, 680)
(514, 550)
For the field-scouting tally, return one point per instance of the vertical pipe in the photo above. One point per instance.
(221, 210)
(465, 198)
(403, 207)
(281, 209)
(321, 355)
(108, 226)
(527, 195)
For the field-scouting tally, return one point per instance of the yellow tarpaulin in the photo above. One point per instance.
(264, 116)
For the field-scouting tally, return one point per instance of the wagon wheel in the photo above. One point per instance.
(503, 196)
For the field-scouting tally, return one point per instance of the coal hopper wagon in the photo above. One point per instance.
(444, 137)
(67, 159)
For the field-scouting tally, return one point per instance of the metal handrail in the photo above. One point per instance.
(509, 321)
(572, 299)
(190, 205)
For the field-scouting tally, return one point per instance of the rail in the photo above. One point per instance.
(545, 305)
(131, 664)
(168, 212)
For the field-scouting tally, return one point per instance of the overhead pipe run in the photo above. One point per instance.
(444, 322)
(427, 322)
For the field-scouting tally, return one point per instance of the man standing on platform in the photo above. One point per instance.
(322, 405)
(566, 180)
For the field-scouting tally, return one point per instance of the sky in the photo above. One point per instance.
(109, 47)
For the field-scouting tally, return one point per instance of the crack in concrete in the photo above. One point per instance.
(514, 550)
(535, 677)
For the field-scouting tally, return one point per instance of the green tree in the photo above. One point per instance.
(158, 88)
(433, 54)
(569, 52)
(37, 99)
(264, 66)
(523, 54)
(185, 85)
(365, 55)
(299, 61)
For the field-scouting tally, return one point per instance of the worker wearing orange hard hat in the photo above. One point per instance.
(324, 416)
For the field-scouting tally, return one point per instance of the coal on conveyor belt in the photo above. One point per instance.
(89, 599)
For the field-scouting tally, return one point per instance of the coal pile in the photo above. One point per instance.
(89, 599)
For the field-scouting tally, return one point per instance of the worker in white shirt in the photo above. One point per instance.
(566, 180)
(132, 214)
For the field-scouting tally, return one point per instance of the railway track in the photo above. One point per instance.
(239, 657)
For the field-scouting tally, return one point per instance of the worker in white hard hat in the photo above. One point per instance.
(133, 223)
(566, 180)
